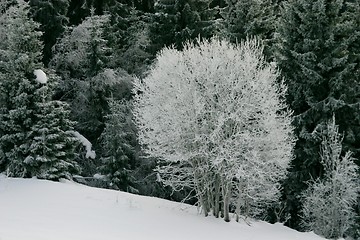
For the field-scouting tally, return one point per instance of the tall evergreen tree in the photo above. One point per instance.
(20, 53)
(243, 18)
(81, 58)
(176, 22)
(51, 14)
(128, 34)
(318, 53)
(52, 148)
(119, 142)
(33, 138)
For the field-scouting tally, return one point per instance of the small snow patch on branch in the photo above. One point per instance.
(86, 143)
(40, 76)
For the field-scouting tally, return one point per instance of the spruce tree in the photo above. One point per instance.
(20, 54)
(128, 35)
(52, 148)
(85, 63)
(244, 18)
(119, 146)
(318, 53)
(175, 22)
(81, 58)
(33, 138)
(51, 14)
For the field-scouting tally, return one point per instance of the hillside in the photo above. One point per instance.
(33, 209)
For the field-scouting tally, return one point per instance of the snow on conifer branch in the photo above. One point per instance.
(40, 76)
(86, 143)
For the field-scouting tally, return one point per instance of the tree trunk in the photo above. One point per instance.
(200, 187)
(206, 203)
(226, 194)
(240, 201)
(217, 196)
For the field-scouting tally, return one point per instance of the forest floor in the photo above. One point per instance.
(32, 209)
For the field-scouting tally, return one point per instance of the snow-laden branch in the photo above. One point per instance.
(40, 76)
(86, 143)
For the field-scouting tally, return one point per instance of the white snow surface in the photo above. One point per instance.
(40, 76)
(86, 143)
(32, 209)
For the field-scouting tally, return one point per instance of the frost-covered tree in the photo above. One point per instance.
(328, 203)
(214, 113)
(5, 4)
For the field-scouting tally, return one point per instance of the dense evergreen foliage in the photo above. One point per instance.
(119, 139)
(318, 52)
(244, 18)
(176, 22)
(92, 50)
(34, 129)
(81, 59)
(52, 18)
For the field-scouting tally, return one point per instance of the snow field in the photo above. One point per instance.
(32, 209)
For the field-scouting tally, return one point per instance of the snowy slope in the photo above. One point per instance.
(33, 209)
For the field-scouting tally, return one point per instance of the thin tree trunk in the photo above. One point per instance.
(226, 194)
(200, 187)
(203, 200)
(240, 200)
(217, 196)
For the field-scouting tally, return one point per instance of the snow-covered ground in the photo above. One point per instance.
(33, 209)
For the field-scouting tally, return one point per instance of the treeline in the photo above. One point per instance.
(92, 50)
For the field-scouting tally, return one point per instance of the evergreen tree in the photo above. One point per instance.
(119, 142)
(33, 128)
(52, 149)
(84, 60)
(318, 53)
(20, 53)
(76, 12)
(128, 34)
(176, 22)
(51, 14)
(80, 9)
(81, 58)
(243, 18)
